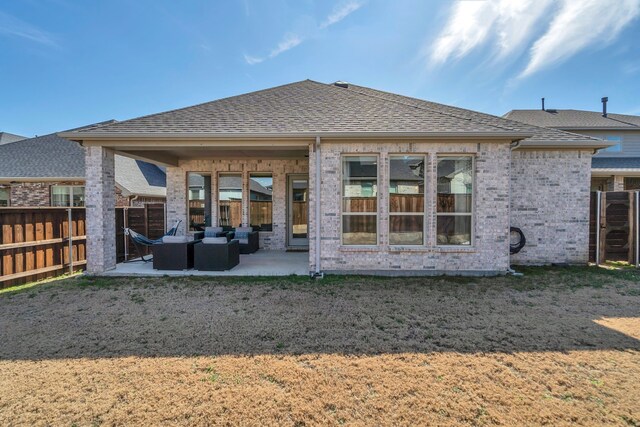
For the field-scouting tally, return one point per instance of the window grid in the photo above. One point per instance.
(423, 213)
(375, 213)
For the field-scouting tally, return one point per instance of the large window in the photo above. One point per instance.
(5, 197)
(360, 200)
(261, 201)
(406, 200)
(617, 148)
(67, 195)
(455, 200)
(199, 201)
(230, 200)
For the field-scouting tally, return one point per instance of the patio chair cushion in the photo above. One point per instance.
(212, 231)
(242, 234)
(215, 240)
(174, 239)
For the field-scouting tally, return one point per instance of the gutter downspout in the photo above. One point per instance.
(514, 145)
(318, 274)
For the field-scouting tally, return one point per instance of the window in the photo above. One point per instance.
(5, 197)
(360, 200)
(614, 148)
(455, 200)
(230, 200)
(261, 201)
(406, 200)
(199, 201)
(67, 195)
(629, 184)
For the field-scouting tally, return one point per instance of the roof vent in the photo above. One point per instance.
(342, 84)
(552, 111)
(542, 104)
(604, 106)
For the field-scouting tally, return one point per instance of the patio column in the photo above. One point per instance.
(100, 209)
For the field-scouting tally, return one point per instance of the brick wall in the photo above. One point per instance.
(489, 253)
(550, 203)
(177, 191)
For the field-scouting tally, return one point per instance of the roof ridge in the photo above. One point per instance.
(520, 124)
(208, 102)
(415, 106)
(445, 105)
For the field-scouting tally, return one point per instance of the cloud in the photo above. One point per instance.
(511, 26)
(12, 26)
(340, 12)
(288, 42)
(292, 40)
(578, 25)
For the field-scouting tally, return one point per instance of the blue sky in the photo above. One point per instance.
(67, 63)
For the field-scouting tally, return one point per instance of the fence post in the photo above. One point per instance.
(125, 224)
(598, 201)
(70, 236)
(637, 218)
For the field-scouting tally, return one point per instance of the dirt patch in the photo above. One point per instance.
(555, 347)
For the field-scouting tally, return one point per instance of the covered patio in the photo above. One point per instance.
(261, 263)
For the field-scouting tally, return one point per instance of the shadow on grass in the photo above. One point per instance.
(548, 309)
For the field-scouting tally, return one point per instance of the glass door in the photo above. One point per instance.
(298, 210)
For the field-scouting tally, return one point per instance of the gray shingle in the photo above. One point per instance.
(310, 107)
(6, 137)
(615, 163)
(575, 119)
(51, 156)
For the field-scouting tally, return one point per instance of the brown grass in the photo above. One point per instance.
(555, 347)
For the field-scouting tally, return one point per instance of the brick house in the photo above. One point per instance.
(367, 181)
(50, 171)
(616, 168)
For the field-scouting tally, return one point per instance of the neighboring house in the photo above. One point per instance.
(6, 137)
(368, 181)
(50, 171)
(615, 168)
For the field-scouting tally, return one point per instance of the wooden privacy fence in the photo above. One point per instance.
(148, 220)
(614, 227)
(37, 243)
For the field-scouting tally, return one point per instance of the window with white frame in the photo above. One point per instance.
(455, 200)
(406, 200)
(67, 195)
(359, 200)
(5, 197)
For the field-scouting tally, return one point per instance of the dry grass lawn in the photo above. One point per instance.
(555, 347)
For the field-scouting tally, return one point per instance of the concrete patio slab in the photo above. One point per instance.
(261, 263)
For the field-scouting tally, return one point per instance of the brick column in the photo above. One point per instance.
(100, 209)
(177, 199)
(618, 183)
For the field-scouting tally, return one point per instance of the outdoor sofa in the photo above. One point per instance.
(248, 238)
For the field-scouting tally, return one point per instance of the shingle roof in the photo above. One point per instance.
(51, 156)
(575, 119)
(615, 163)
(541, 135)
(311, 108)
(6, 137)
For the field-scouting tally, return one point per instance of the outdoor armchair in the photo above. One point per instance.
(174, 253)
(216, 254)
(249, 240)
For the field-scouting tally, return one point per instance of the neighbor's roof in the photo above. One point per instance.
(575, 119)
(6, 137)
(308, 108)
(615, 163)
(50, 156)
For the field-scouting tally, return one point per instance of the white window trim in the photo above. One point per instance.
(473, 202)
(70, 187)
(425, 157)
(376, 213)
